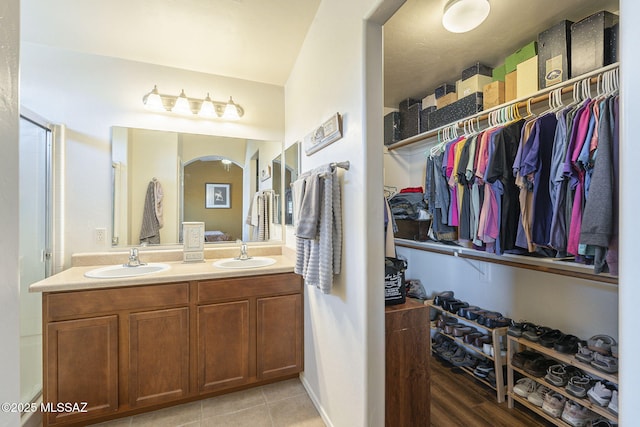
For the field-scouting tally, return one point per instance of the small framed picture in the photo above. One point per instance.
(265, 173)
(217, 196)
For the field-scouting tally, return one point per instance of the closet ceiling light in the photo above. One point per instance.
(205, 108)
(461, 16)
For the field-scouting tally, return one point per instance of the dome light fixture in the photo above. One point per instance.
(461, 16)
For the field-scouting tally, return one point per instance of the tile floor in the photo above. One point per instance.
(282, 404)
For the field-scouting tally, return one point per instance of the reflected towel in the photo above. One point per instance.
(150, 229)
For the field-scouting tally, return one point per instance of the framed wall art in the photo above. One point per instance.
(217, 196)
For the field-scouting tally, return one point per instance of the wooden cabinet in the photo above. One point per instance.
(130, 348)
(407, 341)
(223, 345)
(279, 336)
(158, 356)
(88, 373)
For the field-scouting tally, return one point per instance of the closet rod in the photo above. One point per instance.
(542, 95)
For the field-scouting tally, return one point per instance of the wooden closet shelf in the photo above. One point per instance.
(546, 265)
(540, 96)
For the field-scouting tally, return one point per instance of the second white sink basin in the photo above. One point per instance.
(253, 262)
(119, 271)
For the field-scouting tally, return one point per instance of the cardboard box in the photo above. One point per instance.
(456, 111)
(476, 68)
(527, 81)
(525, 52)
(591, 43)
(493, 94)
(446, 100)
(392, 128)
(510, 86)
(499, 73)
(444, 89)
(554, 54)
(473, 84)
(429, 101)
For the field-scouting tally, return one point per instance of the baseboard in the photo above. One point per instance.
(315, 400)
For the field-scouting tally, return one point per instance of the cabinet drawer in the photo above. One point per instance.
(66, 305)
(245, 287)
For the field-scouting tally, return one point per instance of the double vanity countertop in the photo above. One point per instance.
(74, 278)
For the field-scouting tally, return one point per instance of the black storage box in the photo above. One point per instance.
(404, 105)
(395, 290)
(460, 109)
(554, 54)
(444, 89)
(410, 121)
(413, 229)
(477, 68)
(591, 43)
(615, 36)
(392, 128)
(424, 118)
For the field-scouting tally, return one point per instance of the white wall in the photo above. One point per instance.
(344, 331)
(90, 93)
(629, 208)
(9, 285)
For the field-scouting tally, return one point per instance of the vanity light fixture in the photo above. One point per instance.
(206, 108)
(461, 16)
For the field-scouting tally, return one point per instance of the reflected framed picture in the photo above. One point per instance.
(217, 196)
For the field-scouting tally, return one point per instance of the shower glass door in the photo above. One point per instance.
(35, 166)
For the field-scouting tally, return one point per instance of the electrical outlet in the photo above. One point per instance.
(100, 235)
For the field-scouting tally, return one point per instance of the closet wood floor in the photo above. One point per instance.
(458, 400)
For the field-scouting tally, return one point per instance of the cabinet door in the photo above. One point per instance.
(223, 345)
(158, 356)
(82, 366)
(279, 336)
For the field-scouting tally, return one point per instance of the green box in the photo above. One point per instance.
(499, 73)
(526, 52)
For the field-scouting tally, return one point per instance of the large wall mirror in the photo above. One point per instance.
(287, 174)
(161, 179)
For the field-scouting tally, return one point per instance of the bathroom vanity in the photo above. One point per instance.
(191, 332)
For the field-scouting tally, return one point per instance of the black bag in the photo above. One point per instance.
(395, 291)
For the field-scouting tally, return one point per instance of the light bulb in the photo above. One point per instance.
(182, 105)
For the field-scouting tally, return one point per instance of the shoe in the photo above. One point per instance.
(519, 359)
(535, 334)
(550, 338)
(557, 375)
(483, 369)
(599, 394)
(603, 423)
(579, 386)
(576, 415)
(584, 354)
(524, 387)
(613, 404)
(537, 397)
(568, 344)
(553, 404)
(601, 344)
(538, 367)
(604, 363)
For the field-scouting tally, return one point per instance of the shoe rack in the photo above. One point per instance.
(498, 360)
(516, 344)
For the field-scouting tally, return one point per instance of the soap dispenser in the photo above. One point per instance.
(193, 241)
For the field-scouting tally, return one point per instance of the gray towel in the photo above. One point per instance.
(319, 257)
(150, 229)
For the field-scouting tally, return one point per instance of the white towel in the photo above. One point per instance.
(318, 258)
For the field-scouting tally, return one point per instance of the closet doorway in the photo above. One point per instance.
(35, 167)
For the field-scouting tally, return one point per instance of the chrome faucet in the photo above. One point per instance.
(134, 261)
(243, 251)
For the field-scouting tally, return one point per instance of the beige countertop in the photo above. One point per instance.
(73, 278)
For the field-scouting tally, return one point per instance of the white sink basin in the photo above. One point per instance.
(253, 262)
(119, 271)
